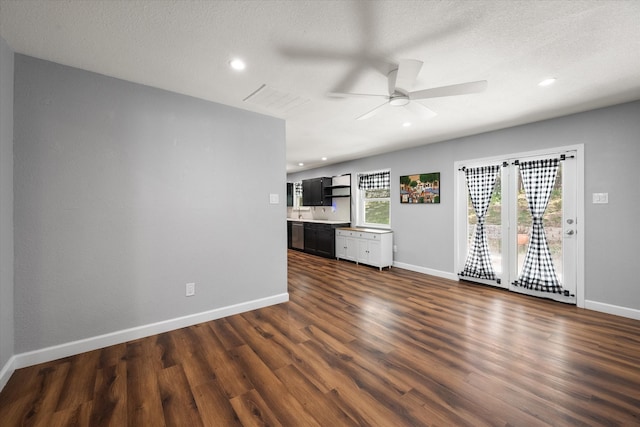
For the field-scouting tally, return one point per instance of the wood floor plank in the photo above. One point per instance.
(261, 341)
(287, 409)
(178, 404)
(110, 396)
(354, 346)
(214, 406)
(112, 355)
(79, 384)
(144, 403)
(230, 377)
(44, 402)
(317, 403)
(253, 411)
(74, 417)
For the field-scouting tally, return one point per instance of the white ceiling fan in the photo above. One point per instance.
(401, 80)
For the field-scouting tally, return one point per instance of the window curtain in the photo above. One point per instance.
(297, 189)
(538, 273)
(374, 181)
(480, 182)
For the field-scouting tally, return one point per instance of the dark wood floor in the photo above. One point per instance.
(354, 346)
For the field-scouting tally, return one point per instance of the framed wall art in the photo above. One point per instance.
(420, 188)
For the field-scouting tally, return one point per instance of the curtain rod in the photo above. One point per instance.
(561, 158)
(517, 162)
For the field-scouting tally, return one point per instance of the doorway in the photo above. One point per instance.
(519, 223)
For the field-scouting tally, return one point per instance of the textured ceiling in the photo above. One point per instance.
(301, 50)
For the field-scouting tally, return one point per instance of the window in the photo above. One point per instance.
(374, 199)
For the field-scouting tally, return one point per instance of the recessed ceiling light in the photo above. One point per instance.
(406, 124)
(300, 164)
(237, 64)
(324, 159)
(547, 82)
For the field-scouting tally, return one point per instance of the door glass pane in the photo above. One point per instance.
(552, 222)
(493, 226)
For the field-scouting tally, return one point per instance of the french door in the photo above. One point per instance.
(518, 223)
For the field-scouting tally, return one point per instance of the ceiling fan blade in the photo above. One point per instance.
(373, 112)
(459, 89)
(420, 110)
(408, 70)
(355, 95)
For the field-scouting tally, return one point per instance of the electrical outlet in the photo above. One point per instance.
(190, 289)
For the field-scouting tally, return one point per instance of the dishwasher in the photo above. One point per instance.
(297, 235)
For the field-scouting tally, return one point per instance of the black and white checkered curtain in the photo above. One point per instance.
(297, 189)
(480, 182)
(538, 273)
(374, 181)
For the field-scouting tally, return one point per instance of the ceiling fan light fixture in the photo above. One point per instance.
(399, 101)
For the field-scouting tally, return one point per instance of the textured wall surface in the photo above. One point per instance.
(425, 234)
(124, 193)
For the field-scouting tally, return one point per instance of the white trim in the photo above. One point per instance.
(580, 226)
(75, 347)
(7, 371)
(616, 310)
(425, 270)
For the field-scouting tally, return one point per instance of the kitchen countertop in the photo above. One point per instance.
(318, 221)
(366, 230)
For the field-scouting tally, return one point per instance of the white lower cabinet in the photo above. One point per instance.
(366, 246)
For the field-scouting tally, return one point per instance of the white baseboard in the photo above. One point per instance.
(76, 347)
(7, 371)
(617, 310)
(424, 270)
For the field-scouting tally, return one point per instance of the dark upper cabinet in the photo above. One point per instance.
(313, 191)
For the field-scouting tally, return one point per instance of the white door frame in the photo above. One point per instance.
(460, 208)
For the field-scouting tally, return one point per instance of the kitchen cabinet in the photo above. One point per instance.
(365, 246)
(313, 192)
(346, 247)
(319, 239)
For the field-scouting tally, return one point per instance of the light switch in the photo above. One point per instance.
(600, 198)
(274, 199)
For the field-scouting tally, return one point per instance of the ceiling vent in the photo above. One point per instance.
(274, 100)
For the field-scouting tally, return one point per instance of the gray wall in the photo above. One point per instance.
(6, 203)
(611, 137)
(124, 193)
